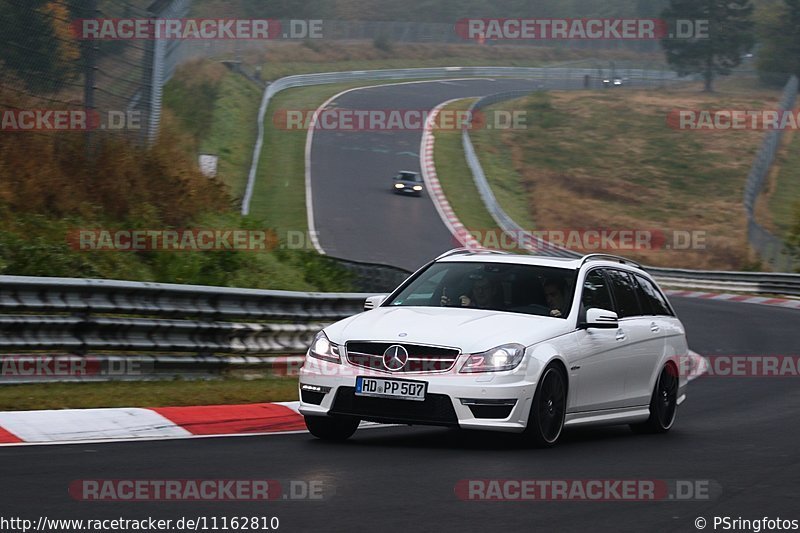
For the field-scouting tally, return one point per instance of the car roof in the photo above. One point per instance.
(538, 260)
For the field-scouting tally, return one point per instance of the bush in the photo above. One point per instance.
(382, 43)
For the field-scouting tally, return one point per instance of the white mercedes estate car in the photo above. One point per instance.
(494, 341)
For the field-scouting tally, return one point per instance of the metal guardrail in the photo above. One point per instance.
(198, 331)
(526, 241)
(81, 316)
(745, 282)
(769, 247)
(576, 75)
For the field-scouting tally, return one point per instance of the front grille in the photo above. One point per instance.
(437, 409)
(420, 358)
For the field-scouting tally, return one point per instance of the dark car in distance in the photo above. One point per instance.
(406, 182)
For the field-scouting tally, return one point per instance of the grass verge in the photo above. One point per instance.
(783, 190)
(455, 177)
(235, 130)
(146, 393)
(279, 194)
(607, 159)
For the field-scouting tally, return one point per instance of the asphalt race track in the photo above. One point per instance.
(740, 435)
(356, 214)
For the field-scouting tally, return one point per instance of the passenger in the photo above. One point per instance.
(554, 295)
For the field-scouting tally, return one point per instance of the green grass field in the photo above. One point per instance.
(455, 177)
(784, 189)
(234, 130)
(608, 159)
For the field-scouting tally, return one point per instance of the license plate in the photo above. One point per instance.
(391, 388)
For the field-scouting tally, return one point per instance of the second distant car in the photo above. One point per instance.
(406, 182)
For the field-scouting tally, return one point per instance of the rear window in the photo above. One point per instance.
(624, 293)
(652, 299)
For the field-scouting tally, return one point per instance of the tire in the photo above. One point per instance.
(332, 428)
(663, 404)
(548, 410)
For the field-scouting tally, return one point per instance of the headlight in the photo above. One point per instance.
(505, 357)
(398, 186)
(322, 348)
(417, 187)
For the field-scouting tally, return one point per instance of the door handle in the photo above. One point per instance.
(654, 327)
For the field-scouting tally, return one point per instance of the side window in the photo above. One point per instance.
(644, 299)
(624, 293)
(595, 291)
(658, 304)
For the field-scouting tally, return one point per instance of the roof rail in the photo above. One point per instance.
(609, 257)
(470, 251)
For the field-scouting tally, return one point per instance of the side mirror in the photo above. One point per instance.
(600, 319)
(374, 301)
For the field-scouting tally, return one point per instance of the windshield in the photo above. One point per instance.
(409, 176)
(528, 289)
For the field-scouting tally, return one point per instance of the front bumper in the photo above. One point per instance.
(492, 401)
(407, 190)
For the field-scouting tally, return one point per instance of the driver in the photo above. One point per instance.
(483, 295)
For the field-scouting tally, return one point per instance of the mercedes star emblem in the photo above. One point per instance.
(395, 357)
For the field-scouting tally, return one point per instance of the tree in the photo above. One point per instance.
(779, 35)
(730, 35)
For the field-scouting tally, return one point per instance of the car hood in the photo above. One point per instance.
(471, 330)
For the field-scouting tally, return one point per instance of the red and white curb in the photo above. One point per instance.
(66, 426)
(428, 167)
(739, 298)
(81, 426)
(74, 426)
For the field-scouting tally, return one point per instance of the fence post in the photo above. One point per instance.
(90, 67)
